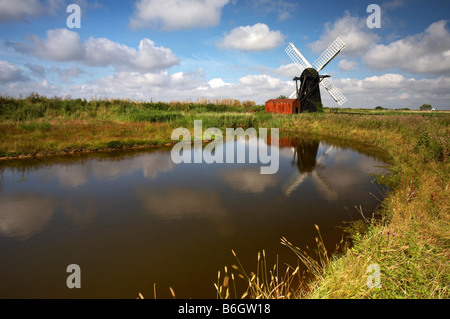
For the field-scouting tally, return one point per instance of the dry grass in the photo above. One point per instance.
(78, 135)
(410, 239)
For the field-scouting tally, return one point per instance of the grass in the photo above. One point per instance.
(413, 263)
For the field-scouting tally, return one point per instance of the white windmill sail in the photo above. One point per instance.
(299, 60)
(337, 46)
(297, 57)
(334, 92)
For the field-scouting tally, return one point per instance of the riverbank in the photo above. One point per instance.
(410, 240)
(413, 262)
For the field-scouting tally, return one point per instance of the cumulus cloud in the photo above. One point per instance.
(352, 30)
(423, 53)
(44, 88)
(65, 45)
(22, 10)
(10, 73)
(68, 74)
(347, 65)
(37, 70)
(261, 80)
(139, 86)
(177, 14)
(251, 38)
(285, 71)
(180, 86)
(388, 90)
(392, 90)
(217, 83)
(13, 10)
(60, 45)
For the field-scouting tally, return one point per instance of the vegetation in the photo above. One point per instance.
(408, 237)
(413, 262)
(426, 107)
(38, 125)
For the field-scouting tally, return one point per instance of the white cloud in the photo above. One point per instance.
(286, 71)
(217, 83)
(67, 75)
(393, 90)
(60, 45)
(10, 73)
(177, 14)
(352, 30)
(346, 65)
(388, 90)
(37, 70)
(423, 53)
(138, 86)
(262, 80)
(21, 10)
(65, 45)
(251, 38)
(13, 10)
(181, 86)
(44, 88)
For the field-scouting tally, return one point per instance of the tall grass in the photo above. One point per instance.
(35, 106)
(414, 262)
(410, 239)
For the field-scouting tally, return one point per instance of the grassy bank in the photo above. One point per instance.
(413, 262)
(39, 126)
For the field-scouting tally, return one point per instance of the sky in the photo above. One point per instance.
(188, 50)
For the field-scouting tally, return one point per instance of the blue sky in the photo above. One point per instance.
(195, 49)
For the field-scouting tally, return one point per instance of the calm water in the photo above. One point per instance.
(130, 220)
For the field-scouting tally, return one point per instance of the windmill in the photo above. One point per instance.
(308, 93)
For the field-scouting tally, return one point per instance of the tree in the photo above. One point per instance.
(282, 97)
(426, 107)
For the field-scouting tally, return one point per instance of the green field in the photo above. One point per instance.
(414, 262)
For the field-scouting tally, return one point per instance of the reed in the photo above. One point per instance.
(414, 262)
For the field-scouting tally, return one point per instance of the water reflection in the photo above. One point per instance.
(305, 158)
(139, 218)
(75, 175)
(24, 215)
(249, 180)
(178, 203)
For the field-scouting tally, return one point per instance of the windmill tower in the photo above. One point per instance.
(307, 94)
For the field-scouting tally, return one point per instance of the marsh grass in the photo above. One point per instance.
(414, 262)
(266, 283)
(410, 239)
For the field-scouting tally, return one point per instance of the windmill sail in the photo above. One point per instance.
(334, 92)
(297, 57)
(299, 61)
(337, 46)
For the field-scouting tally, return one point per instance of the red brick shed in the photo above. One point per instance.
(283, 106)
